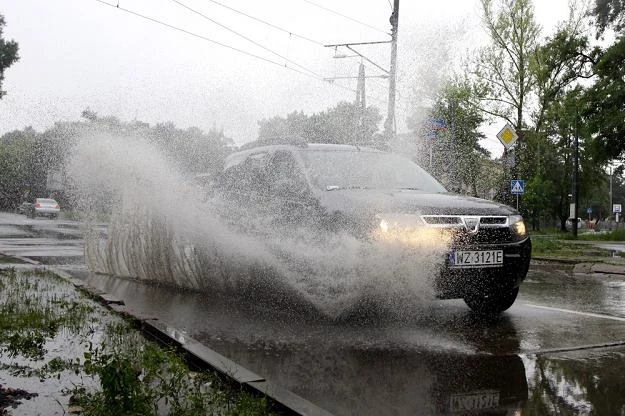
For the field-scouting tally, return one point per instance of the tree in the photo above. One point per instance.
(21, 172)
(502, 73)
(502, 69)
(609, 13)
(457, 138)
(606, 102)
(8, 54)
(345, 123)
(546, 157)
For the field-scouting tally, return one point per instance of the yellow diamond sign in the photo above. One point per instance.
(507, 136)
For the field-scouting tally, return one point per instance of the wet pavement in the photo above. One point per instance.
(559, 350)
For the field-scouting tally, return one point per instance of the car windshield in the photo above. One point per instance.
(366, 170)
(46, 201)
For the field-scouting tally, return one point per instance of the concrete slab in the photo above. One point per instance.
(220, 363)
(288, 399)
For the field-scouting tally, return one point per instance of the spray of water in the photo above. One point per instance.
(162, 229)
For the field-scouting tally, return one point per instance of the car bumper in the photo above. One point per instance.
(458, 282)
(47, 212)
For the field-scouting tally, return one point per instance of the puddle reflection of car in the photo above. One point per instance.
(42, 207)
(378, 195)
(374, 381)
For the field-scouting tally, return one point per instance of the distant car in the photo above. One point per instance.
(381, 196)
(42, 207)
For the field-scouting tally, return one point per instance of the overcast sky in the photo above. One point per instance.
(84, 53)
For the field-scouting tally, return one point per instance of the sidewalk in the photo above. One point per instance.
(593, 263)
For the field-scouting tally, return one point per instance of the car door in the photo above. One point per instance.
(293, 201)
(242, 189)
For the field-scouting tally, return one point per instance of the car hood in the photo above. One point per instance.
(371, 201)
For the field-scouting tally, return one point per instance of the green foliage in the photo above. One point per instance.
(27, 157)
(138, 378)
(133, 376)
(502, 75)
(8, 54)
(21, 167)
(30, 315)
(616, 235)
(458, 141)
(609, 13)
(603, 104)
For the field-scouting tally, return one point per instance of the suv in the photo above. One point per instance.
(385, 196)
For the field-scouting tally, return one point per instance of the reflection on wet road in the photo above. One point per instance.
(559, 350)
(442, 360)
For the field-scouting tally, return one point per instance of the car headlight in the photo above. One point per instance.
(396, 222)
(384, 226)
(408, 229)
(517, 225)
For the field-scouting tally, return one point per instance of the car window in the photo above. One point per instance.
(366, 170)
(285, 176)
(46, 201)
(247, 176)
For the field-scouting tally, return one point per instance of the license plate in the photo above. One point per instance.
(476, 258)
(480, 400)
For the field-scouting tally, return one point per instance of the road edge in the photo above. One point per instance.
(197, 354)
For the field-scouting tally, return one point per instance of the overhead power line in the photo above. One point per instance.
(151, 19)
(346, 17)
(207, 39)
(267, 23)
(245, 37)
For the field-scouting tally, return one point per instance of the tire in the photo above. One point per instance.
(492, 304)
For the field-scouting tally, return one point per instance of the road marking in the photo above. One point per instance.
(589, 314)
(575, 348)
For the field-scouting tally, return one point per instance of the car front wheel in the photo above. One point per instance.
(492, 304)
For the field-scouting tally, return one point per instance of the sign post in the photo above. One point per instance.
(616, 209)
(517, 187)
(507, 136)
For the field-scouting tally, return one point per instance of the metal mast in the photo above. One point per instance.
(389, 124)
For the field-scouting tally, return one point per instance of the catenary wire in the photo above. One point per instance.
(346, 17)
(245, 37)
(267, 23)
(231, 47)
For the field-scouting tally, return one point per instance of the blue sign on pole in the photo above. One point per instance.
(517, 187)
(433, 126)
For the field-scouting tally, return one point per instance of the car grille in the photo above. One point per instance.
(473, 229)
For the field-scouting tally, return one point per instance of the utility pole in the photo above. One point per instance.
(389, 124)
(361, 103)
(575, 170)
(610, 209)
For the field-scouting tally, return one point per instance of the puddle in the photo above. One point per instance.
(61, 350)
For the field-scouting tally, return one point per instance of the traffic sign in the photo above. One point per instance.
(517, 186)
(616, 208)
(507, 136)
(588, 210)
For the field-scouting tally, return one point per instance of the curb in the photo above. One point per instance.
(556, 260)
(197, 355)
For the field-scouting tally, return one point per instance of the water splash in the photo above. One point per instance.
(163, 230)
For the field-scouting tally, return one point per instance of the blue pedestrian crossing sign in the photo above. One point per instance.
(517, 187)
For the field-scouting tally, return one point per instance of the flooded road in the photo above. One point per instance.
(559, 350)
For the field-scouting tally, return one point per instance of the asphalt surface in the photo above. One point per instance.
(558, 350)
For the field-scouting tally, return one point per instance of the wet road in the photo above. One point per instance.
(559, 350)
